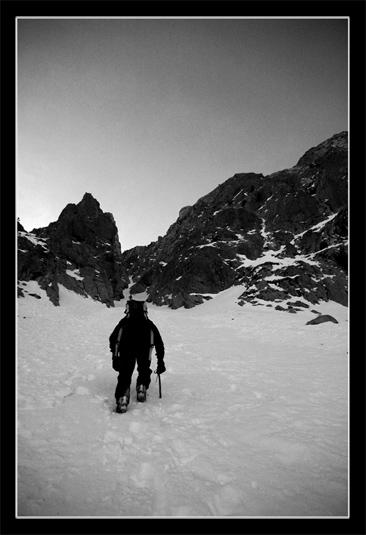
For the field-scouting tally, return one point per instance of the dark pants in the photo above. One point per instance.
(126, 367)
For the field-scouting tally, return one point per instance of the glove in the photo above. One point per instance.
(161, 367)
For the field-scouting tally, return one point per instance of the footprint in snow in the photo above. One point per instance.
(183, 453)
(81, 391)
(144, 476)
(135, 427)
(223, 479)
(114, 445)
(227, 501)
(100, 397)
(63, 393)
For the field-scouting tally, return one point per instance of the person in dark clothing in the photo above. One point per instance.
(131, 342)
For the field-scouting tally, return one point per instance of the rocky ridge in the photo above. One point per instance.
(81, 251)
(283, 236)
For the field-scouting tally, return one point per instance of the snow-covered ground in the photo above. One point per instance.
(253, 419)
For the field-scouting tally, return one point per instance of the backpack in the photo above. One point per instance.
(136, 309)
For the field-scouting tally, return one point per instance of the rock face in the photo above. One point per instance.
(322, 319)
(282, 236)
(81, 251)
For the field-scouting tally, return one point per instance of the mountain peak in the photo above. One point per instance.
(81, 251)
(89, 199)
(337, 143)
(281, 236)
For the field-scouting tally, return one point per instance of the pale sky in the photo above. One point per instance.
(149, 115)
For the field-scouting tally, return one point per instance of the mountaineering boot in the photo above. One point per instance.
(141, 393)
(123, 402)
(122, 405)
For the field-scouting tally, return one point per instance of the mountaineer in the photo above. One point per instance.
(132, 341)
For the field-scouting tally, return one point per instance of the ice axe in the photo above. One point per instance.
(151, 348)
(158, 377)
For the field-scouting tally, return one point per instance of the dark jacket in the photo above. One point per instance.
(136, 338)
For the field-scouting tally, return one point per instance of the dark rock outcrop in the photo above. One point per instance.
(322, 319)
(281, 236)
(81, 251)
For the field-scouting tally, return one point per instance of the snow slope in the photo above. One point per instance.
(253, 419)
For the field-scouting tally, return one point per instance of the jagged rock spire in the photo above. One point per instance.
(81, 251)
